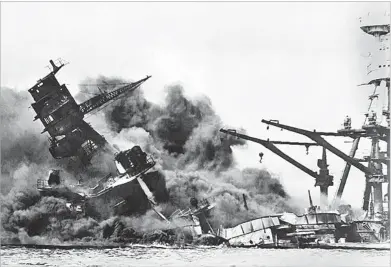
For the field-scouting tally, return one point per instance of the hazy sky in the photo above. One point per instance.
(299, 63)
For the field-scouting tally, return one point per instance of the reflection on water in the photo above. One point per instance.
(191, 257)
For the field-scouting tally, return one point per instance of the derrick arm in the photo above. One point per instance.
(310, 199)
(293, 143)
(269, 145)
(321, 141)
(346, 171)
(102, 99)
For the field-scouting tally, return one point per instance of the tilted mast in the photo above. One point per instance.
(102, 99)
(63, 118)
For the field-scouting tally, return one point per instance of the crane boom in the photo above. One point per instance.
(323, 179)
(318, 139)
(269, 145)
(346, 171)
(63, 118)
(103, 98)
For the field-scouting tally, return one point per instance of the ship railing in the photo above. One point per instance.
(89, 147)
(378, 71)
(376, 18)
(136, 171)
(150, 161)
(44, 183)
(180, 213)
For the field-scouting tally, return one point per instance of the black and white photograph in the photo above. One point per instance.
(195, 133)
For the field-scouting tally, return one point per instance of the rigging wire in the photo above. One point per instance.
(102, 84)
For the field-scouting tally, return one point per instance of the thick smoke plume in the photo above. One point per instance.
(182, 136)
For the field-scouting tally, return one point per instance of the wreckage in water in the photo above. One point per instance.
(71, 137)
(121, 193)
(314, 228)
(136, 186)
(285, 229)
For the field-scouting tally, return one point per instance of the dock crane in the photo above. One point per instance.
(371, 130)
(356, 134)
(322, 179)
(317, 137)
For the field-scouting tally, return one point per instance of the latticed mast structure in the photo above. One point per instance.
(377, 125)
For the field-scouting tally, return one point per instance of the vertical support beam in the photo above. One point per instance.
(346, 171)
(245, 202)
(325, 180)
(310, 199)
(377, 187)
(388, 146)
(388, 179)
(388, 102)
(324, 197)
(367, 194)
(378, 199)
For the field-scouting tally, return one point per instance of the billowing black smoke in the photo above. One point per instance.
(22, 146)
(183, 134)
(183, 137)
(187, 130)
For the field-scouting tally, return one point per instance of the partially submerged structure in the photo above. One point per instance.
(313, 228)
(134, 173)
(72, 137)
(287, 229)
(113, 193)
(198, 215)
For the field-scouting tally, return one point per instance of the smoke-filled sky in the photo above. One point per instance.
(299, 63)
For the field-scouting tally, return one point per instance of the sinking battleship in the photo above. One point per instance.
(120, 193)
(73, 138)
(134, 188)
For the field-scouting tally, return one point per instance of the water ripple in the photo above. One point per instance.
(192, 257)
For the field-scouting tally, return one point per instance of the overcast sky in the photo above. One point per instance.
(299, 63)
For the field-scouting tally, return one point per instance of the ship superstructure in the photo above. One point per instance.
(63, 118)
(375, 128)
(378, 77)
(114, 192)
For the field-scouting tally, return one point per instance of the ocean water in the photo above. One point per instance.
(192, 257)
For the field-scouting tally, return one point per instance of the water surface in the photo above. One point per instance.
(11, 256)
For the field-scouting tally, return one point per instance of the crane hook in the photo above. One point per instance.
(306, 148)
(260, 156)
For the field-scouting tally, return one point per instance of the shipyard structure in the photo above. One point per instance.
(375, 166)
(377, 126)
